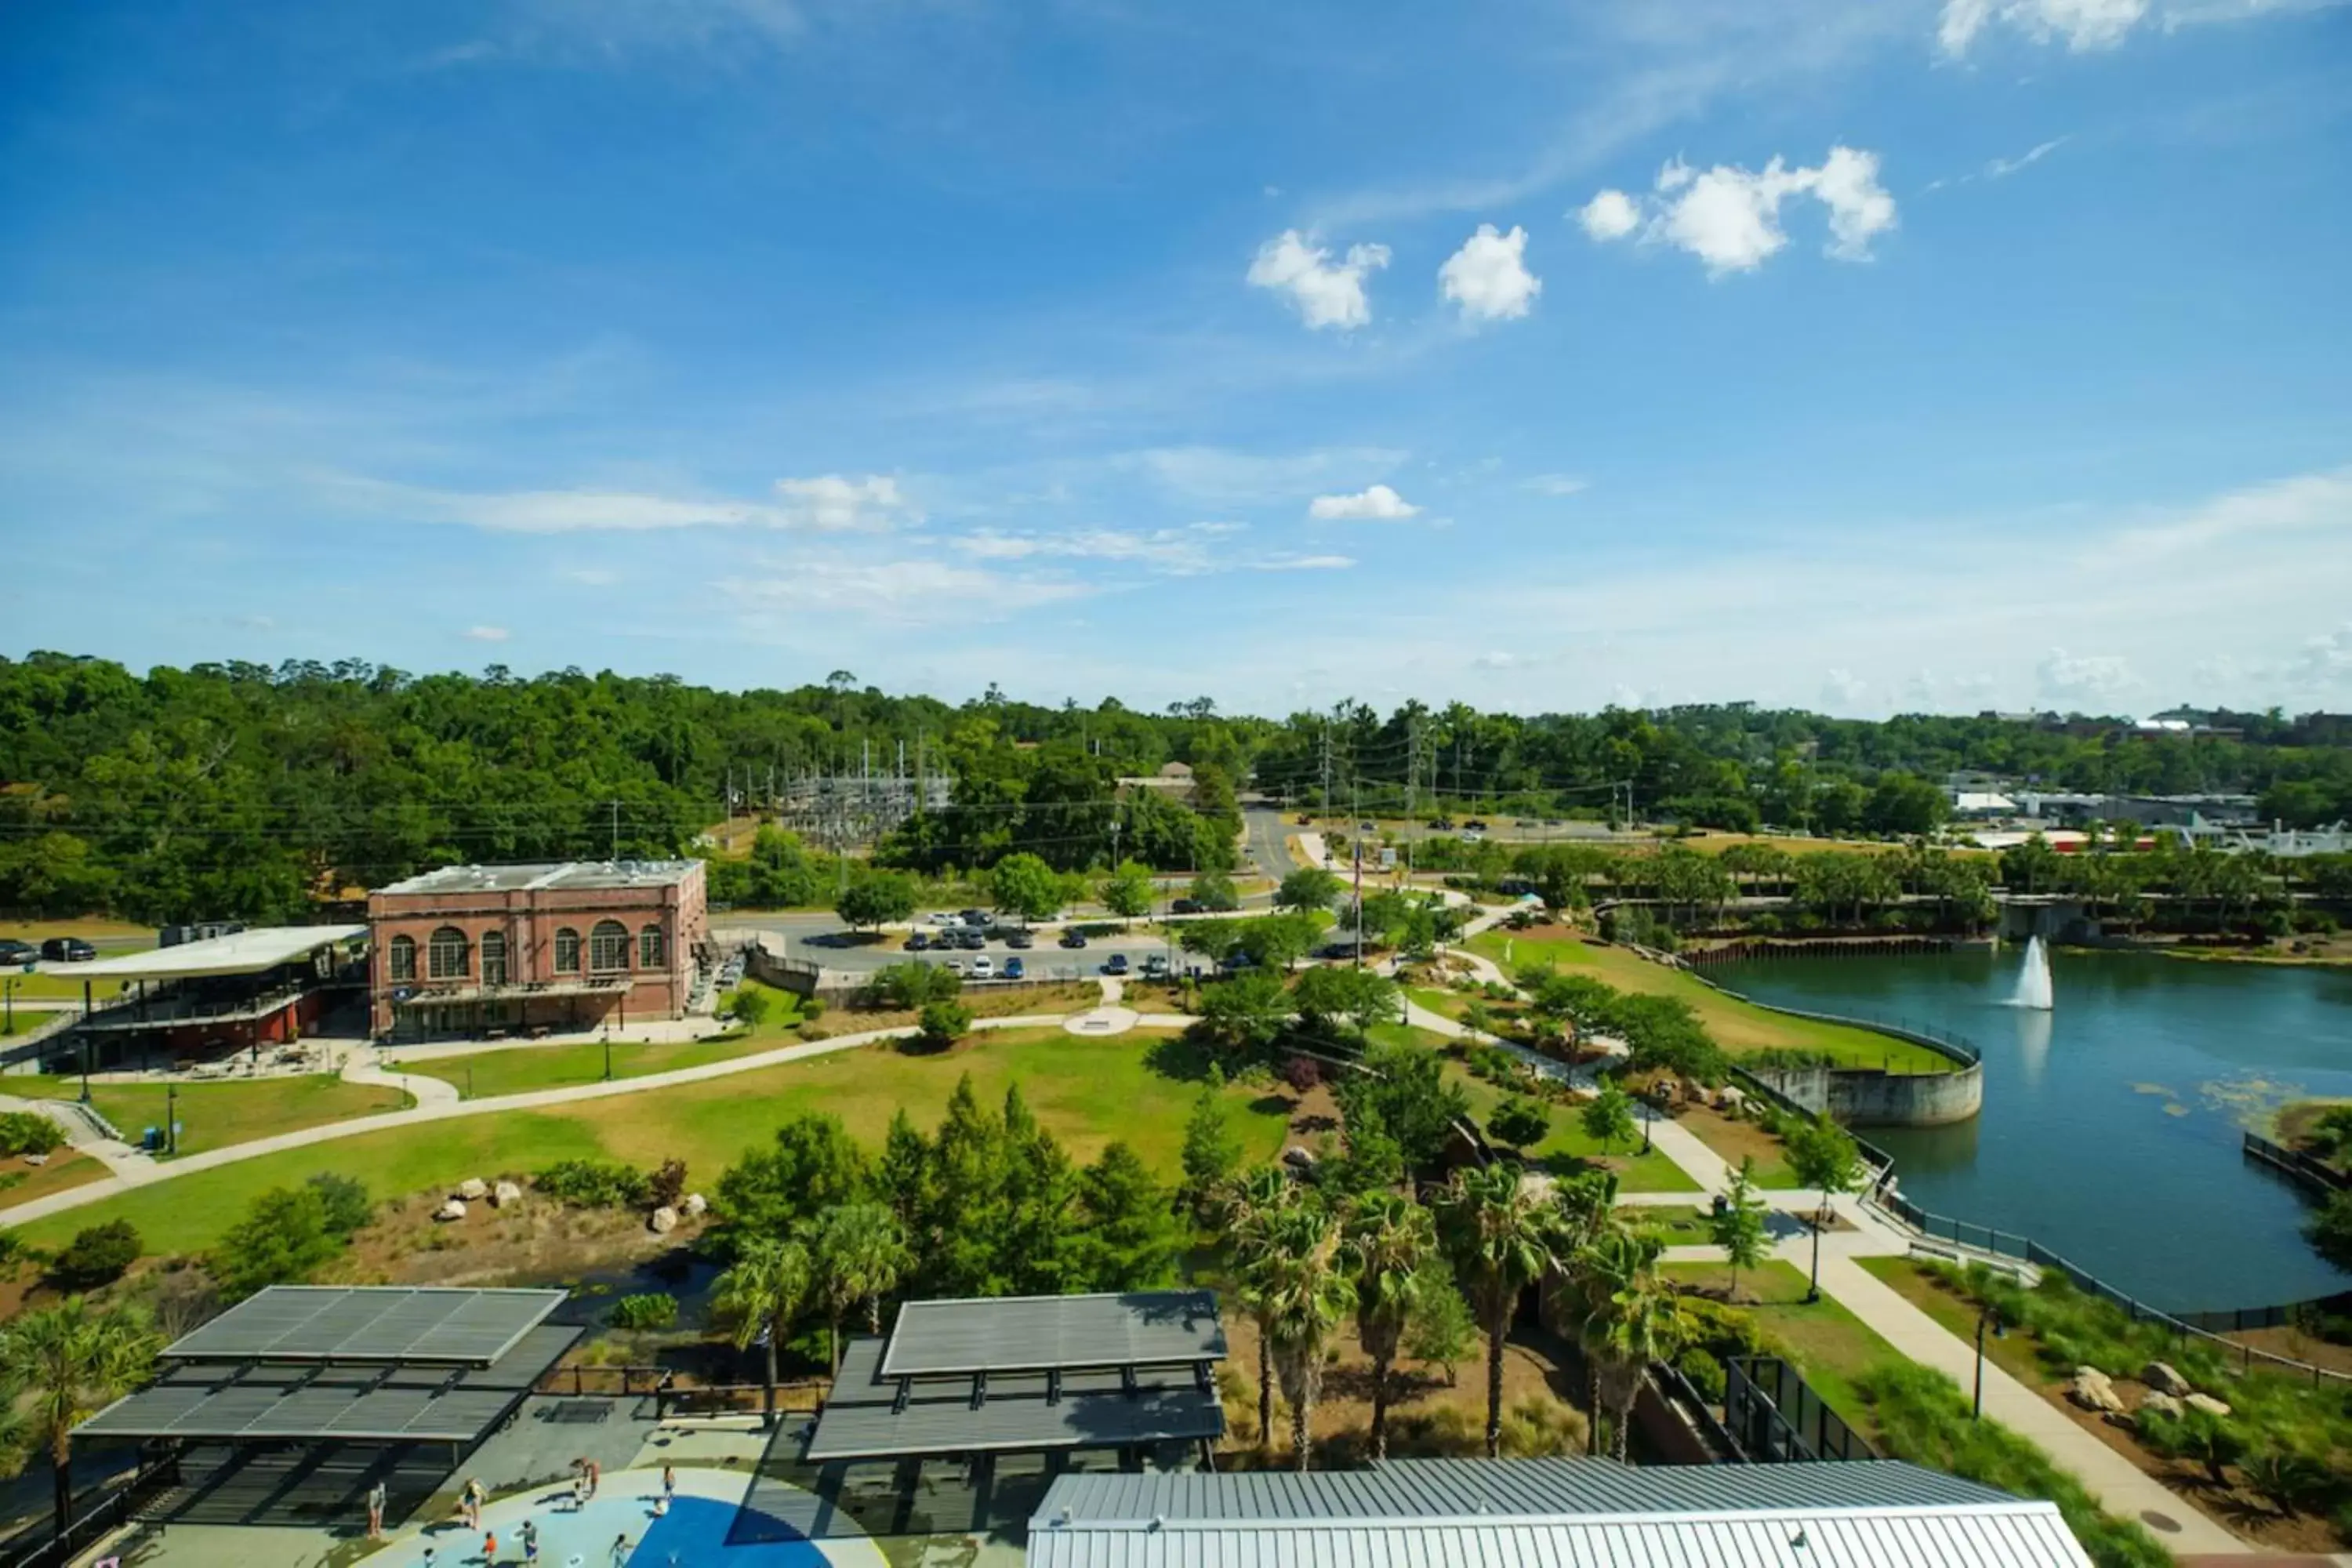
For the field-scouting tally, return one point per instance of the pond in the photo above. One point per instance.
(2111, 1123)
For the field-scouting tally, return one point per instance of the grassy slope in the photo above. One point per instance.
(1830, 1345)
(215, 1115)
(1737, 1026)
(1087, 1093)
(66, 1168)
(1568, 1149)
(520, 1069)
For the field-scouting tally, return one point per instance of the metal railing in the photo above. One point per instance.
(2304, 1170)
(38, 1545)
(1943, 1042)
(670, 1397)
(1775, 1416)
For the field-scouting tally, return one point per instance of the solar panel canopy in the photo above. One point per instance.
(370, 1323)
(1036, 1333)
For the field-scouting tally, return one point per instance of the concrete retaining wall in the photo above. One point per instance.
(1866, 1097)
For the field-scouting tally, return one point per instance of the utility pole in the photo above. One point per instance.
(616, 830)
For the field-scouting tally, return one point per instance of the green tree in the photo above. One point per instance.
(1252, 1229)
(1307, 1291)
(1248, 1011)
(1215, 890)
(877, 897)
(1405, 1090)
(283, 1239)
(1024, 885)
(856, 1254)
(1213, 1152)
(1737, 1225)
(1390, 1241)
(750, 1005)
(1905, 803)
(1608, 1118)
(1518, 1123)
(2329, 1230)
(1127, 892)
(1131, 1240)
(1278, 942)
(1637, 1323)
(62, 1364)
(765, 1288)
(945, 1022)
(1341, 994)
(810, 1166)
(98, 1255)
(1307, 889)
(1443, 1328)
(915, 984)
(1824, 1155)
(1502, 1239)
(343, 1203)
(1214, 940)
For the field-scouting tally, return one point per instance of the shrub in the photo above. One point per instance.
(1518, 1123)
(343, 1202)
(654, 1310)
(813, 1008)
(282, 1240)
(947, 1022)
(1540, 1427)
(96, 1257)
(595, 1183)
(1301, 1073)
(750, 1005)
(668, 1184)
(28, 1133)
(1705, 1373)
(915, 985)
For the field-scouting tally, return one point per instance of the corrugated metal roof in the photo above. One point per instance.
(241, 953)
(2009, 1535)
(1008, 1334)
(1443, 1489)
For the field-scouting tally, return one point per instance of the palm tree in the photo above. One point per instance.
(856, 1254)
(1635, 1324)
(1390, 1239)
(1306, 1291)
(72, 1363)
(767, 1286)
(1257, 1200)
(1502, 1238)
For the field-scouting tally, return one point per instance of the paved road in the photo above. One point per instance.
(823, 940)
(1265, 829)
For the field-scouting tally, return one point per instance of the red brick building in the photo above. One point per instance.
(473, 949)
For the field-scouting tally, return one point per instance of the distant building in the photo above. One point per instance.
(467, 948)
(1173, 780)
(1980, 803)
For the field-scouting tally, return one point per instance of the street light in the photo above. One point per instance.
(1988, 1314)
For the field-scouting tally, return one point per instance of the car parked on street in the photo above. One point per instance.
(945, 918)
(1074, 938)
(1188, 907)
(14, 954)
(984, 968)
(68, 950)
(918, 942)
(1155, 966)
(1473, 825)
(1115, 965)
(1019, 939)
(973, 941)
(973, 917)
(1016, 970)
(952, 965)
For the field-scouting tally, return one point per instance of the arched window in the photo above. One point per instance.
(494, 958)
(446, 954)
(567, 950)
(608, 947)
(403, 958)
(649, 948)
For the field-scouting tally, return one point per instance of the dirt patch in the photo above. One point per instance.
(538, 1237)
(1733, 1139)
(2296, 1345)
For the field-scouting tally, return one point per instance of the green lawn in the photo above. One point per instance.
(1827, 1344)
(1138, 1086)
(215, 1115)
(519, 1070)
(1956, 1315)
(1675, 1225)
(1568, 1149)
(1737, 1026)
(63, 987)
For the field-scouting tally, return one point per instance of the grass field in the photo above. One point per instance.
(1830, 1345)
(1737, 1026)
(117, 936)
(1675, 1225)
(520, 1069)
(215, 1115)
(1568, 1149)
(1137, 1087)
(62, 986)
(66, 1168)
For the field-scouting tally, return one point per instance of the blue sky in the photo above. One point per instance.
(1859, 354)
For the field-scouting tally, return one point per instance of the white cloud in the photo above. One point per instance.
(2069, 678)
(1219, 476)
(1304, 563)
(2085, 24)
(2325, 661)
(1611, 215)
(2002, 168)
(1860, 207)
(1181, 550)
(1327, 293)
(1843, 692)
(832, 501)
(1378, 503)
(487, 633)
(827, 503)
(1556, 484)
(2306, 504)
(1498, 660)
(1729, 217)
(1489, 276)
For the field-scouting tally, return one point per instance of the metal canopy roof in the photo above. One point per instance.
(871, 1416)
(217, 1401)
(242, 953)
(1426, 1489)
(1034, 1333)
(370, 1323)
(2011, 1535)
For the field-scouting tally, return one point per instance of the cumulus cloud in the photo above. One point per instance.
(1729, 217)
(2068, 678)
(1489, 276)
(1327, 293)
(2085, 24)
(487, 633)
(1377, 503)
(1611, 215)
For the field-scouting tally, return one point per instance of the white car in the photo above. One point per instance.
(984, 968)
(945, 918)
(953, 966)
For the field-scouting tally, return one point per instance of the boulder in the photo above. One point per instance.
(1299, 1155)
(2159, 1376)
(664, 1220)
(694, 1207)
(2094, 1390)
(505, 1193)
(2162, 1404)
(1731, 1098)
(473, 1189)
(2205, 1402)
(453, 1209)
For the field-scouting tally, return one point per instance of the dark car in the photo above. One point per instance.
(14, 954)
(1306, 819)
(972, 939)
(1115, 965)
(68, 950)
(1187, 907)
(1441, 824)
(918, 942)
(1473, 825)
(1074, 938)
(973, 917)
(1019, 939)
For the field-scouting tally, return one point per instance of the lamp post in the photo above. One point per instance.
(171, 1117)
(1988, 1315)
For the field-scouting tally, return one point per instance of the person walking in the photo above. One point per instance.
(529, 1541)
(490, 1546)
(670, 1482)
(595, 1474)
(621, 1550)
(376, 1500)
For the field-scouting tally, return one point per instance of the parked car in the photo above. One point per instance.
(1187, 907)
(1115, 965)
(1441, 824)
(1155, 966)
(1074, 938)
(973, 917)
(1473, 825)
(946, 918)
(952, 965)
(1019, 939)
(1016, 970)
(14, 954)
(918, 942)
(984, 968)
(973, 941)
(68, 950)
(1367, 827)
